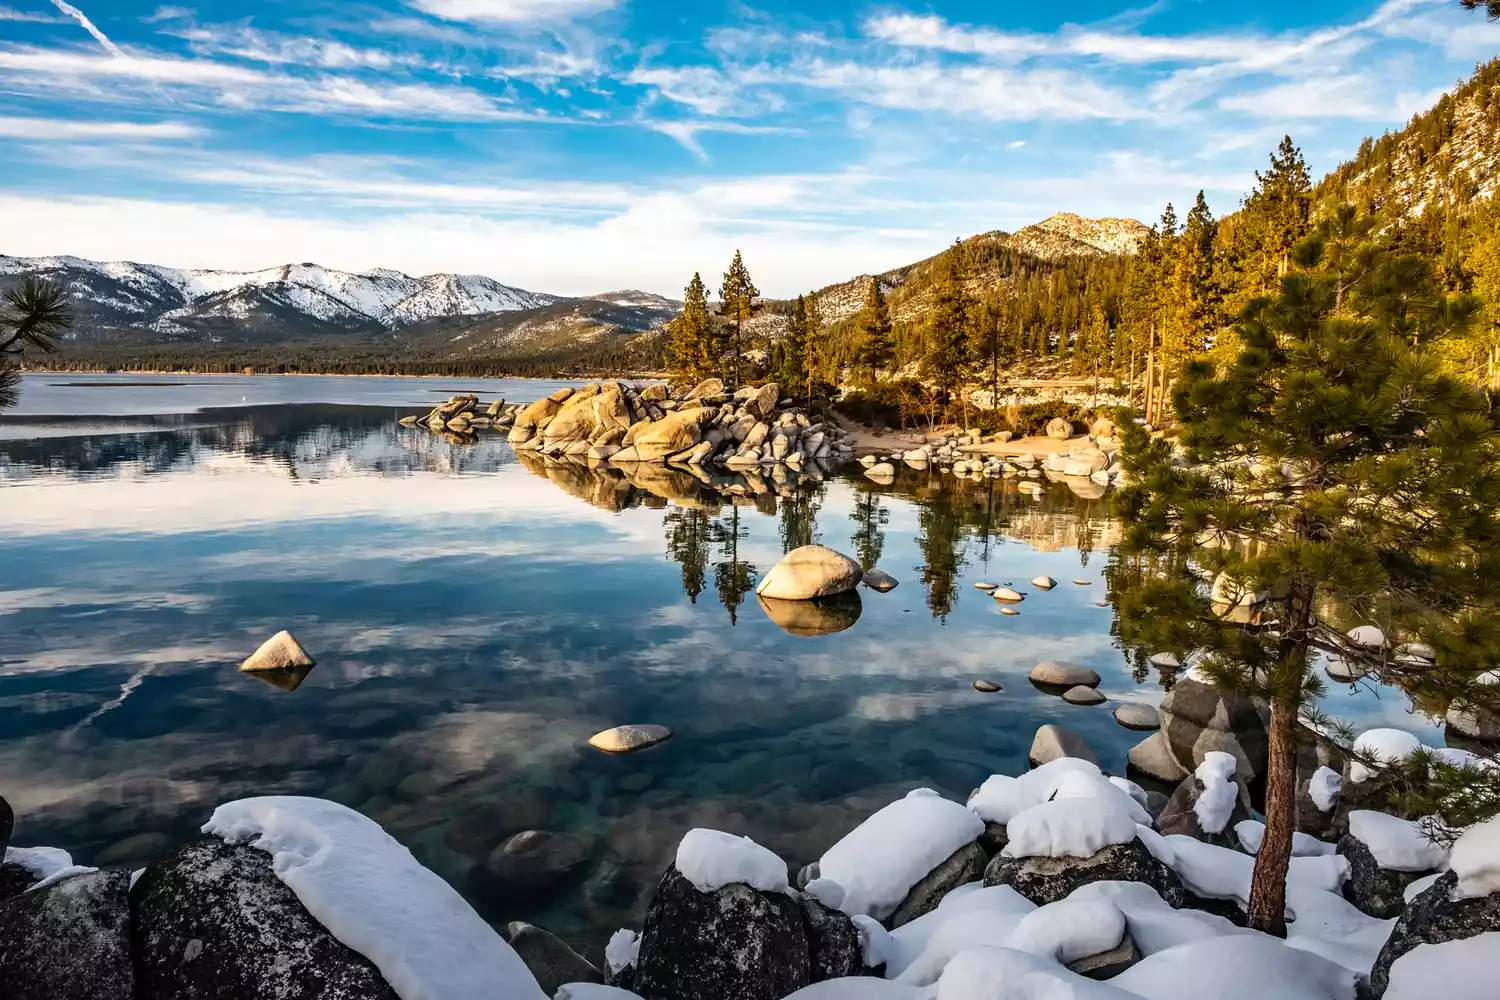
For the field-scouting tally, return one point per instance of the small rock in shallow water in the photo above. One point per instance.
(1083, 583)
(625, 739)
(881, 581)
(1061, 673)
(280, 652)
(1055, 742)
(1043, 583)
(1009, 611)
(988, 687)
(987, 587)
(1007, 594)
(140, 848)
(1083, 695)
(1142, 718)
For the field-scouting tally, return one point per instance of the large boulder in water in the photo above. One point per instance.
(1198, 718)
(1046, 880)
(212, 920)
(69, 941)
(1434, 917)
(737, 943)
(808, 572)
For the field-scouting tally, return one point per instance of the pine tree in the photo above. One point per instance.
(36, 316)
(873, 324)
(1274, 218)
(1483, 262)
(691, 337)
(948, 324)
(1329, 463)
(991, 346)
(793, 370)
(737, 296)
(822, 358)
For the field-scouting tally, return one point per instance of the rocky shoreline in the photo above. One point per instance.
(1065, 877)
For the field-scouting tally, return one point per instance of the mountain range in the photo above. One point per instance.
(125, 306)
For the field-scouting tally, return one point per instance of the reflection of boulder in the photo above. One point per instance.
(676, 485)
(284, 680)
(820, 616)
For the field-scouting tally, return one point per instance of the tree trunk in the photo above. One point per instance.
(1268, 883)
(1150, 374)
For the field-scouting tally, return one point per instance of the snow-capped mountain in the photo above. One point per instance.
(288, 301)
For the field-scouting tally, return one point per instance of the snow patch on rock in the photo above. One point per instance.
(1397, 844)
(711, 860)
(1384, 745)
(1220, 791)
(1069, 828)
(1476, 859)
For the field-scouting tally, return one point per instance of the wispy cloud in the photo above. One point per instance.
(71, 129)
(512, 11)
(87, 25)
(8, 13)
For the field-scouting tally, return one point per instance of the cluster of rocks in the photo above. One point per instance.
(1088, 467)
(706, 425)
(461, 417)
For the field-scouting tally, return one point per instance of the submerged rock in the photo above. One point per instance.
(69, 941)
(986, 687)
(810, 571)
(213, 920)
(1083, 695)
(549, 958)
(737, 943)
(524, 872)
(7, 824)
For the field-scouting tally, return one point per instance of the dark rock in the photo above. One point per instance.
(833, 949)
(211, 921)
(1108, 964)
(1046, 880)
(1432, 918)
(7, 824)
(526, 870)
(1198, 717)
(806, 874)
(134, 851)
(549, 958)
(15, 880)
(994, 838)
(69, 941)
(1375, 890)
(964, 865)
(1169, 886)
(1178, 816)
(1229, 909)
(733, 944)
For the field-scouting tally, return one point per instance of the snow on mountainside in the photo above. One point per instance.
(174, 301)
(1066, 234)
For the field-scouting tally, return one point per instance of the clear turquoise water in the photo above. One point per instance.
(476, 618)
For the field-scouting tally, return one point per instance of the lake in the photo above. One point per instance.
(477, 616)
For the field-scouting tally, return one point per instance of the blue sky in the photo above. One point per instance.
(575, 146)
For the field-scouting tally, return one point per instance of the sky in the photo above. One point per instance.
(578, 146)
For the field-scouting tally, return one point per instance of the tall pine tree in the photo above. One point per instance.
(737, 296)
(948, 324)
(691, 337)
(1329, 464)
(873, 324)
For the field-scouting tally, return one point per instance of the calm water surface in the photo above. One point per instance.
(477, 616)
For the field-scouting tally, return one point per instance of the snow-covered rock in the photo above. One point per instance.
(963, 866)
(711, 860)
(1475, 859)
(996, 973)
(1381, 745)
(1398, 844)
(1237, 967)
(621, 950)
(1251, 832)
(1465, 969)
(978, 915)
(1324, 787)
(1154, 924)
(879, 861)
(735, 942)
(44, 865)
(1367, 636)
(249, 933)
(68, 939)
(425, 940)
(1069, 929)
(1443, 913)
(834, 944)
(1219, 791)
(1069, 828)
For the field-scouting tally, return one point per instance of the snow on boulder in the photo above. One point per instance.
(1398, 844)
(880, 860)
(1001, 798)
(1236, 967)
(620, 952)
(1252, 832)
(859, 988)
(369, 891)
(808, 572)
(711, 860)
(1069, 828)
(593, 991)
(1324, 788)
(1082, 785)
(1466, 969)
(1219, 792)
(1006, 974)
(976, 929)
(996, 907)
(1154, 924)
(1220, 873)
(1069, 929)
(46, 865)
(1381, 745)
(1475, 859)
(1443, 913)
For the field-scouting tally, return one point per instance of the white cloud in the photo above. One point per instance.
(1017, 144)
(244, 42)
(512, 11)
(8, 13)
(39, 63)
(1355, 96)
(73, 129)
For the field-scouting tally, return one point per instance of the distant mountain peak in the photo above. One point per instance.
(1069, 234)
